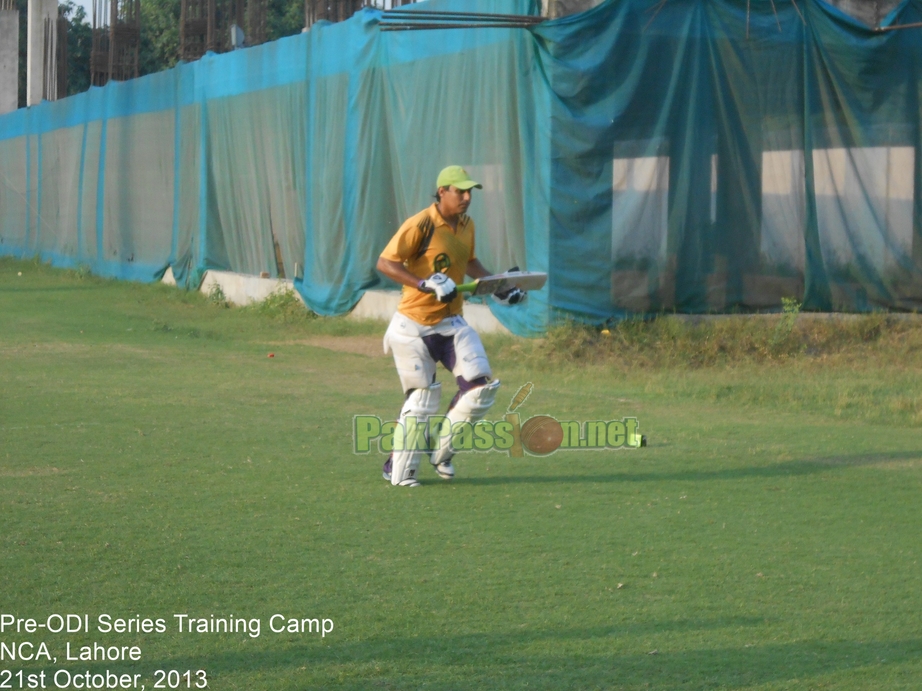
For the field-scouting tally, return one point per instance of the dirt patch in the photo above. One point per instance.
(369, 346)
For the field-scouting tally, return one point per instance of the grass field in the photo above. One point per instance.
(154, 461)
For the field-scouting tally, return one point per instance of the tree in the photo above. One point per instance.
(284, 18)
(79, 46)
(159, 35)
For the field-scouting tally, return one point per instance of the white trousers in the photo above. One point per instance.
(416, 363)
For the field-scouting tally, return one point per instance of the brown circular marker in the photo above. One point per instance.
(542, 435)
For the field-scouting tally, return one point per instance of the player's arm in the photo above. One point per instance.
(476, 270)
(397, 272)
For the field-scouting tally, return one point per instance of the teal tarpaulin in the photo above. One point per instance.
(717, 155)
(691, 155)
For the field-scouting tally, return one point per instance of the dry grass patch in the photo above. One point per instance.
(673, 340)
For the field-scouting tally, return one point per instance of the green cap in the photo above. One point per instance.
(457, 176)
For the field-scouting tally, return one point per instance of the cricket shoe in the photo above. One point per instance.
(386, 470)
(445, 469)
(386, 474)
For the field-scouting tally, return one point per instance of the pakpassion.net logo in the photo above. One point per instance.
(539, 435)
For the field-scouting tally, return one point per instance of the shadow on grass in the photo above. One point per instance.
(577, 659)
(787, 469)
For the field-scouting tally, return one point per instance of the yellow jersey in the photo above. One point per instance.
(426, 244)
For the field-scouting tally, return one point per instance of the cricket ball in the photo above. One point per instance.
(541, 435)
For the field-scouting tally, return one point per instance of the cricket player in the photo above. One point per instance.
(429, 255)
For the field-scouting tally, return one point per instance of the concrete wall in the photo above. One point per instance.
(243, 289)
(9, 60)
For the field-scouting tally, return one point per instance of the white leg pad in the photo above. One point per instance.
(471, 359)
(471, 407)
(410, 444)
(415, 366)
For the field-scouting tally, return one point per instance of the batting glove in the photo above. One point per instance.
(512, 296)
(439, 285)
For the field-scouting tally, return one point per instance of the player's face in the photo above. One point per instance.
(454, 201)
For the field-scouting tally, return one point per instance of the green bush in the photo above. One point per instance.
(283, 305)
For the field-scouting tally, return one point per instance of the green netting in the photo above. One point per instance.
(693, 155)
(713, 156)
(13, 194)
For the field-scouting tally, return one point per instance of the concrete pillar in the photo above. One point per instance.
(9, 60)
(869, 12)
(39, 11)
(562, 8)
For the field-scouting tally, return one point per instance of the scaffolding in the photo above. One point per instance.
(197, 30)
(54, 58)
(213, 25)
(116, 41)
(250, 16)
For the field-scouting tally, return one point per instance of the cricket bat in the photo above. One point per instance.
(526, 280)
